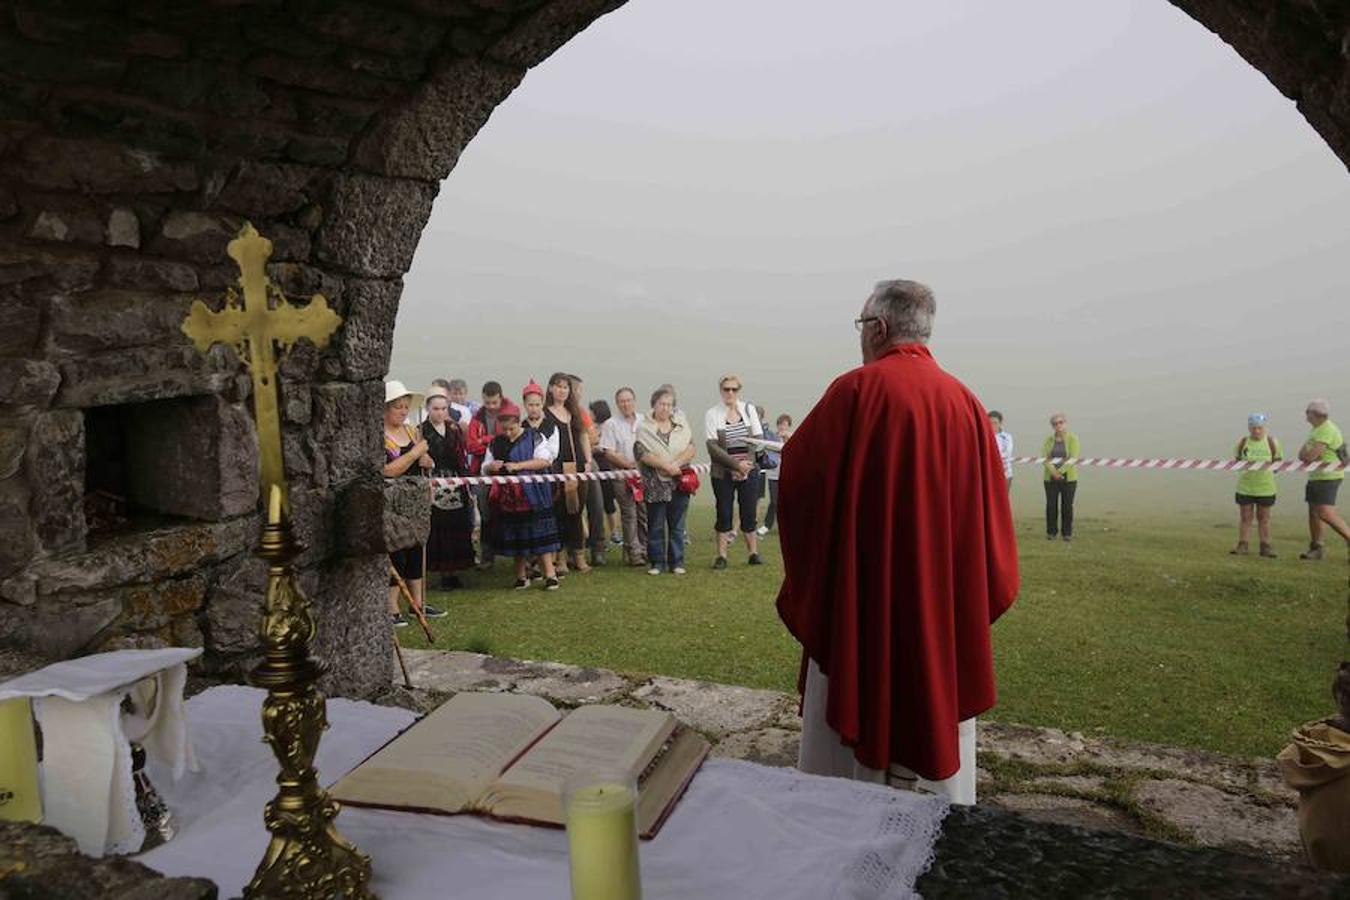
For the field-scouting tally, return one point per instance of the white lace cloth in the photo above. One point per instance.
(743, 831)
(87, 786)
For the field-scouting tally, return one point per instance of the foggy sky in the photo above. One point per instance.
(1120, 218)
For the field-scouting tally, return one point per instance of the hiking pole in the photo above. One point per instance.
(412, 605)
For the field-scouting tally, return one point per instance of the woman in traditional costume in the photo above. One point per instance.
(574, 455)
(450, 545)
(524, 512)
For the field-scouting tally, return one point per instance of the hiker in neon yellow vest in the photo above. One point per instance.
(1325, 444)
(1256, 488)
(1061, 479)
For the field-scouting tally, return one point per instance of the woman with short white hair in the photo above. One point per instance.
(1061, 478)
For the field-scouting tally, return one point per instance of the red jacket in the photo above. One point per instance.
(477, 440)
(898, 546)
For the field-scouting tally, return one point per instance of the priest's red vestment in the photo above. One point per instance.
(898, 545)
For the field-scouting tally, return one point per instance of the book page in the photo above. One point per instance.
(590, 737)
(448, 758)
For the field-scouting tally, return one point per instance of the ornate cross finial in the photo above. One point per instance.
(259, 328)
(306, 857)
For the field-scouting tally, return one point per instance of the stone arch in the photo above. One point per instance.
(134, 139)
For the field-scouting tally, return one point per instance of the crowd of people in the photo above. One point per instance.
(550, 530)
(1256, 488)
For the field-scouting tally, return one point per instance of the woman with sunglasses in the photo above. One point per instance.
(1061, 479)
(735, 477)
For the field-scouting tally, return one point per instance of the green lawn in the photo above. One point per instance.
(1138, 629)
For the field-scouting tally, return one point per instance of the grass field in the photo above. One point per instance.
(1141, 628)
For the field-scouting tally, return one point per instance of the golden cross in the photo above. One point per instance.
(260, 328)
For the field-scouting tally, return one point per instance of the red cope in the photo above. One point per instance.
(898, 544)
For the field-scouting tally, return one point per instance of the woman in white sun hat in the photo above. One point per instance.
(406, 456)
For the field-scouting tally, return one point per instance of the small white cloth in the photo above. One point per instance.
(87, 786)
(742, 832)
(823, 751)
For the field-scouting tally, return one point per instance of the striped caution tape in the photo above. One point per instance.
(548, 477)
(1104, 462)
(1113, 462)
(1212, 465)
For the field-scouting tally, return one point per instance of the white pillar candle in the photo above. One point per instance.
(602, 839)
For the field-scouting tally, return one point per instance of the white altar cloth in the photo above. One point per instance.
(743, 831)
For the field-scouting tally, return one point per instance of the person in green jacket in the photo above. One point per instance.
(1325, 444)
(1061, 479)
(1256, 488)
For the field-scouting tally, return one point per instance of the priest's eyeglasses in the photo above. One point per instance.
(860, 324)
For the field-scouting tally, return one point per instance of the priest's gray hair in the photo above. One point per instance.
(907, 308)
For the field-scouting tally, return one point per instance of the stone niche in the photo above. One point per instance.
(136, 507)
(190, 457)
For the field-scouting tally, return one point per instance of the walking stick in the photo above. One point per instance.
(398, 653)
(412, 605)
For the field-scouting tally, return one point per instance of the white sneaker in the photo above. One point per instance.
(653, 571)
(762, 530)
(679, 570)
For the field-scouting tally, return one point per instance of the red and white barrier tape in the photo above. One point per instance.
(1111, 462)
(1105, 462)
(548, 477)
(1211, 465)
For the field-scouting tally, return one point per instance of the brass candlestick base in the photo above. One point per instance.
(306, 858)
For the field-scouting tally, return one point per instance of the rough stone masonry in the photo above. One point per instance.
(135, 137)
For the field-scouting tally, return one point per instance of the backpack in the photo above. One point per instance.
(1270, 442)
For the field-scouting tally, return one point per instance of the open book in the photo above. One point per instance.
(506, 756)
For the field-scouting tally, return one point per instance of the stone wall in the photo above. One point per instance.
(135, 137)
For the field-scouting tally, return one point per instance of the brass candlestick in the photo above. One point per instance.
(307, 857)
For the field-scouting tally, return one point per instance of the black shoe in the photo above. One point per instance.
(720, 562)
(551, 584)
(398, 620)
(433, 612)
(755, 560)
(522, 583)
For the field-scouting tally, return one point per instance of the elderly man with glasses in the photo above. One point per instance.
(898, 550)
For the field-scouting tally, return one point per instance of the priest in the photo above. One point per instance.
(899, 552)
